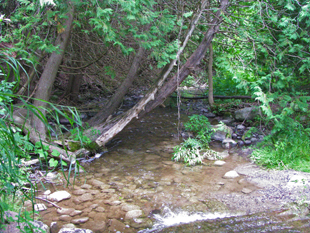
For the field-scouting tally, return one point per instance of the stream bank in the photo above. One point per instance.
(125, 188)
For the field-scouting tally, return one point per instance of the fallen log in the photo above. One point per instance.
(215, 97)
(163, 88)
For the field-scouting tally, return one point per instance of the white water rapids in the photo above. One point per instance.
(170, 218)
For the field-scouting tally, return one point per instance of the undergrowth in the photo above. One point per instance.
(286, 150)
(193, 150)
(16, 147)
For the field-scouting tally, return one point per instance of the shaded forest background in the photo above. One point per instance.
(79, 53)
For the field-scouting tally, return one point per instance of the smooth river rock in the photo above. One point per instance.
(59, 196)
(86, 197)
(74, 230)
(96, 183)
(231, 175)
(133, 214)
(80, 220)
(86, 186)
(79, 192)
(219, 163)
(246, 191)
(65, 211)
(127, 207)
(228, 143)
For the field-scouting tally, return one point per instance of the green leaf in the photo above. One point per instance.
(53, 162)
(290, 6)
(187, 14)
(55, 153)
(63, 163)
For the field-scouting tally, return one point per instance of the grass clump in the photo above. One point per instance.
(190, 151)
(290, 150)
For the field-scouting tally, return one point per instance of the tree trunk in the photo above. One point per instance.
(162, 90)
(74, 84)
(118, 96)
(210, 77)
(48, 77)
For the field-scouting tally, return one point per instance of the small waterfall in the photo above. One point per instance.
(170, 218)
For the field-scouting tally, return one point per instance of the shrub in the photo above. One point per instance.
(190, 150)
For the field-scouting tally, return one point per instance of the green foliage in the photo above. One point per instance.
(190, 151)
(15, 146)
(289, 151)
(201, 127)
(268, 57)
(77, 135)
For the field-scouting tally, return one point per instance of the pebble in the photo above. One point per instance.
(100, 209)
(247, 142)
(86, 197)
(79, 192)
(219, 163)
(246, 191)
(96, 183)
(76, 212)
(133, 214)
(127, 207)
(59, 196)
(80, 220)
(74, 230)
(231, 175)
(65, 218)
(65, 211)
(86, 186)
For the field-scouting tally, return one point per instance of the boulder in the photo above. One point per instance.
(248, 113)
(221, 132)
(219, 136)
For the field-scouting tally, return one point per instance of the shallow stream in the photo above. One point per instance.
(137, 175)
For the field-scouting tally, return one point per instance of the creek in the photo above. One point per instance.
(135, 187)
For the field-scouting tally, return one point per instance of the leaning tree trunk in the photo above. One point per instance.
(48, 77)
(210, 77)
(118, 96)
(162, 90)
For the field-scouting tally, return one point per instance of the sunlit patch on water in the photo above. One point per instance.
(170, 218)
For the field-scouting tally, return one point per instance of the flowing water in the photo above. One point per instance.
(137, 174)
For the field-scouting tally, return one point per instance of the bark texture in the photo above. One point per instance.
(48, 76)
(162, 90)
